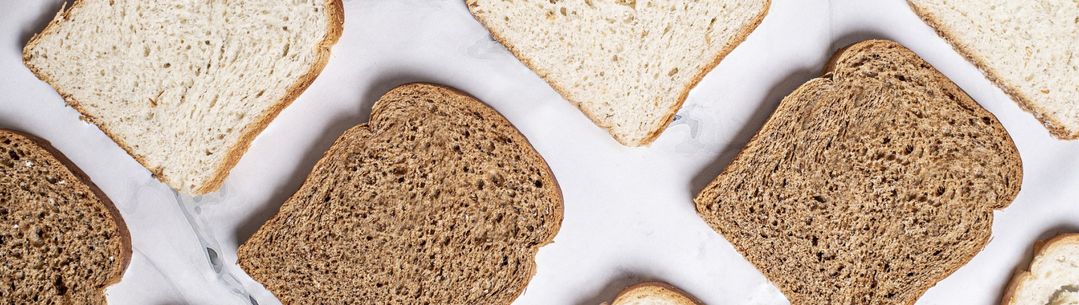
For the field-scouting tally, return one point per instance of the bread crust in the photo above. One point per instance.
(335, 15)
(679, 296)
(1022, 275)
(1056, 128)
(124, 258)
(827, 76)
(365, 130)
(669, 116)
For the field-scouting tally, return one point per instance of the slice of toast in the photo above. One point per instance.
(1028, 48)
(628, 65)
(62, 241)
(438, 200)
(867, 185)
(653, 293)
(1053, 276)
(184, 87)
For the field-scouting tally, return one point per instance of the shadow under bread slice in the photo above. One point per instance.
(61, 240)
(867, 185)
(438, 200)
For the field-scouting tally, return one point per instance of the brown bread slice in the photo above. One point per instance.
(62, 241)
(438, 200)
(867, 185)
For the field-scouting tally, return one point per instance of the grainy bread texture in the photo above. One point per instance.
(438, 200)
(184, 86)
(627, 64)
(653, 293)
(1053, 277)
(61, 240)
(867, 185)
(1029, 48)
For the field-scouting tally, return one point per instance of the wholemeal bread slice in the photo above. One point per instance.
(184, 87)
(867, 185)
(628, 65)
(1028, 48)
(1053, 277)
(653, 293)
(62, 241)
(438, 200)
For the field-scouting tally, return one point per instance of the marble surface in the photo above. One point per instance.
(628, 211)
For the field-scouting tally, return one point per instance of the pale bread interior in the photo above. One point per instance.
(627, 64)
(1028, 47)
(1053, 278)
(183, 86)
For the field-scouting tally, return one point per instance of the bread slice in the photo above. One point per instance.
(438, 200)
(867, 185)
(653, 293)
(184, 87)
(1053, 277)
(62, 241)
(1028, 48)
(627, 64)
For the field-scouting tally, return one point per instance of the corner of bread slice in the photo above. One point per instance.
(1026, 275)
(654, 293)
(52, 184)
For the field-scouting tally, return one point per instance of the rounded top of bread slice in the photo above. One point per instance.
(653, 293)
(62, 241)
(437, 200)
(1053, 275)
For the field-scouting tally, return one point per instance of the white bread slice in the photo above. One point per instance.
(627, 64)
(1028, 48)
(1053, 277)
(653, 293)
(184, 86)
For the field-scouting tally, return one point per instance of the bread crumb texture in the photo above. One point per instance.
(59, 241)
(866, 186)
(184, 86)
(653, 293)
(628, 65)
(438, 200)
(1029, 48)
(1053, 277)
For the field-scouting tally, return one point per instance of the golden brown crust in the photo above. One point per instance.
(125, 235)
(335, 13)
(669, 116)
(1056, 128)
(1023, 274)
(827, 76)
(660, 286)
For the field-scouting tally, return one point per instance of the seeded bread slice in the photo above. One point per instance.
(1053, 276)
(62, 241)
(867, 185)
(1028, 48)
(438, 200)
(653, 293)
(184, 86)
(627, 64)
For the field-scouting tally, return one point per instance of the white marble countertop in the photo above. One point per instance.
(628, 211)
